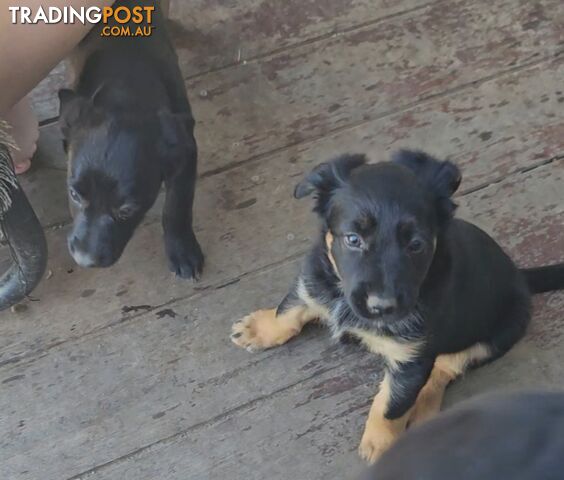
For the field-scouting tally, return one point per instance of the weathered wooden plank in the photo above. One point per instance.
(398, 61)
(312, 430)
(187, 350)
(212, 34)
(258, 197)
(141, 381)
(324, 86)
(472, 125)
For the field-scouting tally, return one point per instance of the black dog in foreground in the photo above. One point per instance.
(432, 294)
(128, 127)
(510, 436)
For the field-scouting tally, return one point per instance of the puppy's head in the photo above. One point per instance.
(114, 174)
(381, 223)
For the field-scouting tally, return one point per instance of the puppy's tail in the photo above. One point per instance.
(545, 279)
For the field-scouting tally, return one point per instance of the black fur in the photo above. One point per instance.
(407, 380)
(128, 128)
(509, 436)
(544, 279)
(442, 283)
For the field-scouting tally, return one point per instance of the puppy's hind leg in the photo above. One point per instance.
(273, 327)
(449, 367)
(446, 369)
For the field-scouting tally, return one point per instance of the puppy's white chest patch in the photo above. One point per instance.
(393, 350)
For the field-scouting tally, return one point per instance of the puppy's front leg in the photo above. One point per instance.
(392, 405)
(269, 328)
(185, 256)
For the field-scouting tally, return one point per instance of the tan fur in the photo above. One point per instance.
(379, 432)
(329, 242)
(394, 351)
(430, 398)
(446, 369)
(264, 329)
(456, 363)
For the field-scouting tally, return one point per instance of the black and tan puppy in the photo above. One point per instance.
(504, 436)
(432, 294)
(128, 127)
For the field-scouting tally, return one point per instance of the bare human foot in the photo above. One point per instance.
(25, 131)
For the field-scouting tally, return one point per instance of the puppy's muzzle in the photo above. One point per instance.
(81, 258)
(380, 306)
(84, 258)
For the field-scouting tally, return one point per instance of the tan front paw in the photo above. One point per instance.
(375, 441)
(263, 329)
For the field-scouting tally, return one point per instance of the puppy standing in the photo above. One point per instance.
(432, 294)
(128, 127)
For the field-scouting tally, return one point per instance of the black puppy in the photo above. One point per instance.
(128, 127)
(509, 436)
(432, 294)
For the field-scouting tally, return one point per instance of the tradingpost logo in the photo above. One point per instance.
(116, 22)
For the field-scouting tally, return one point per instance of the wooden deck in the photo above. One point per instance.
(129, 373)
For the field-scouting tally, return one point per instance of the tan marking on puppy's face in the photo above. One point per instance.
(393, 351)
(329, 243)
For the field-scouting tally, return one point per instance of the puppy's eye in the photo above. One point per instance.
(352, 240)
(75, 196)
(415, 246)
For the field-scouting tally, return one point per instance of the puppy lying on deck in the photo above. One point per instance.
(127, 127)
(432, 294)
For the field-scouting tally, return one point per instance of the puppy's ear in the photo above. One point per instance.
(442, 178)
(71, 106)
(327, 177)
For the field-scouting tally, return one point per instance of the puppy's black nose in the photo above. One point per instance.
(380, 306)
